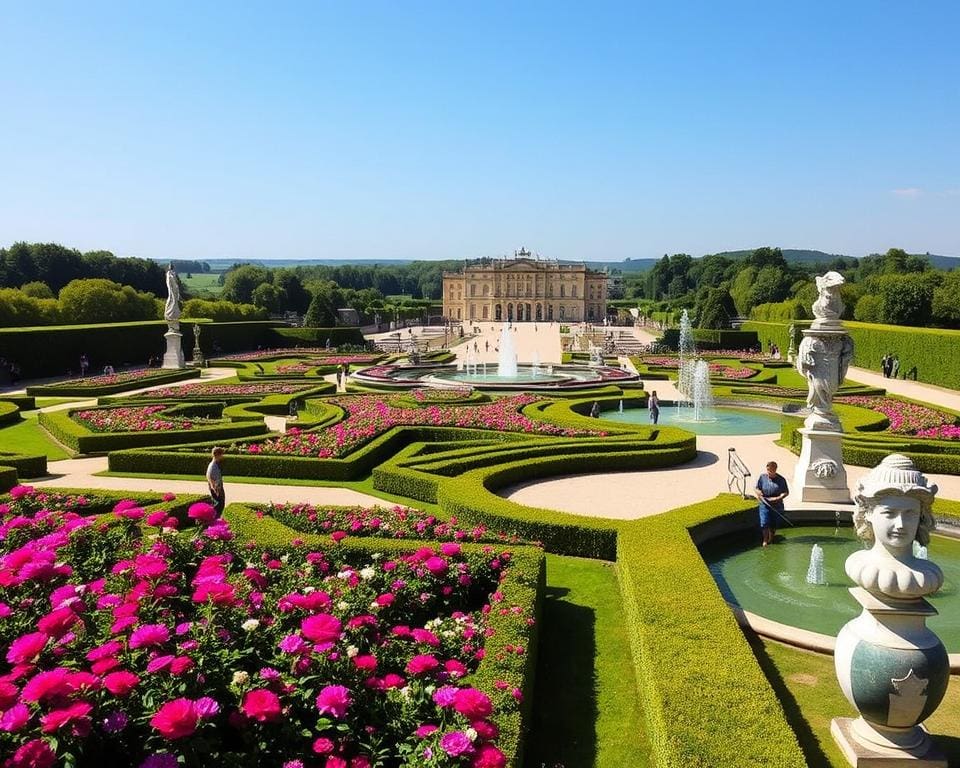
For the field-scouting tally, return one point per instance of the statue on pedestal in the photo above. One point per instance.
(892, 668)
(173, 358)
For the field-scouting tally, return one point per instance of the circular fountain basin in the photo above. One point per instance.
(719, 420)
(772, 581)
(528, 377)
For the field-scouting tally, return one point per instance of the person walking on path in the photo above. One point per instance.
(215, 480)
(895, 366)
(771, 491)
(885, 365)
(654, 405)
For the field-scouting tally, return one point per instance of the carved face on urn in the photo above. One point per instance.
(895, 522)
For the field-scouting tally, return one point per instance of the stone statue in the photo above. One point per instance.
(829, 306)
(894, 506)
(892, 668)
(171, 311)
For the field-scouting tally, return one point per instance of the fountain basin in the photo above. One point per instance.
(526, 377)
(719, 420)
(771, 582)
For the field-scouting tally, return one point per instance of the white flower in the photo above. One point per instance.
(240, 678)
(343, 605)
(249, 625)
(284, 559)
(405, 692)
(343, 575)
(352, 651)
(471, 734)
(308, 590)
(374, 606)
(376, 556)
(367, 573)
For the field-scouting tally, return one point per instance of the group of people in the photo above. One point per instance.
(343, 370)
(891, 368)
(774, 351)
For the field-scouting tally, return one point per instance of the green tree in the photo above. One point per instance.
(104, 301)
(296, 298)
(907, 299)
(37, 290)
(320, 313)
(869, 309)
(268, 297)
(240, 283)
(945, 307)
(716, 309)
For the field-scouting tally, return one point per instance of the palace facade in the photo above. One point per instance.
(525, 289)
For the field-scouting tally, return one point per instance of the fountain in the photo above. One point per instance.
(815, 569)
(702, 400)
(536, 363)
(620, 409)
(507, 358)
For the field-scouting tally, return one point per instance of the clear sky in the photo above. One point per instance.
(450, 130)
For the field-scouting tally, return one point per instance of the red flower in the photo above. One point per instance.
(472, 704)
(33, 754)
(322, 629)
(176, 719)
(120, 683)
(77, 716)
(262, 705)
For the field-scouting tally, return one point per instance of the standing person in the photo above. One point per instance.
(895, 366)
(595, 410)
(771, 491)
(883, 365)
(84, 364)
(654, 405)
(215, 480)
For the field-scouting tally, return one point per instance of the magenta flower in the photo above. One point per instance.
(334, 700)
(262, 705)
(149, 635)
(456, 743)
(323, 629)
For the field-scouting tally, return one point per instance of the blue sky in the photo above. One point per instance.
(454, 130)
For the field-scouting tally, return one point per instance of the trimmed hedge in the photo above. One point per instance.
(313, 337)
(523, 585)
(9, 413)
(119, 344)
(26, 465)
(8, 478)
(82, 440)
(161, 376)
(934, 351)
(706, 700)
(24, 402)
(707, 339)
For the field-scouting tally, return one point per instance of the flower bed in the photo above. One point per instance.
(372, 415)
(716, 369)
(906, 418)
(227, 390)
(394, 523)
(131, 650)
(117, 382)
(424, 395)
(134, 419)
(321, 355)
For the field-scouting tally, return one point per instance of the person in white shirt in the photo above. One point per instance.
(215, 480)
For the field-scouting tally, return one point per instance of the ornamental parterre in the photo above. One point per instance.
(716, 369)
(371, 415)
(106, 380)
(132, 644)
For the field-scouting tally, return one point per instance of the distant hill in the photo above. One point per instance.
(792, 255)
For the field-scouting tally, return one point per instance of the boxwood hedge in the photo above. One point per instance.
(74, 389)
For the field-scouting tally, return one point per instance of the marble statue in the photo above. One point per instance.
(829, 306)
(171, 310)
(891, 667)
(173, 357)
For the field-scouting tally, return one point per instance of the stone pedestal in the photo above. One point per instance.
(173, 357)
(926, 755)
(820, 474)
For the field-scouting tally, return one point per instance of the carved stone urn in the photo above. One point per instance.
(892, 668)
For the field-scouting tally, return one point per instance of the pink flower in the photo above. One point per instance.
(437, 566)
(149, 635)
(262, 705)
(15, 718)
(425, 730)
(50, 684)
(334, 700)
(456, 743)
(322, 629)
(120, 683)
(33, 754)
(202, 512)
(57, 622)
(176, 719)
(26, 648)
(472, 704)
(422, 664)
(76, 716)
(450, 549)
(488, 756)
(206, 707)
(19, 491)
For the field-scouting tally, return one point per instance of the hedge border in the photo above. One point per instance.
(162, 377)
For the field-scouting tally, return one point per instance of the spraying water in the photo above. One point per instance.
(815, 569)
(621, 406)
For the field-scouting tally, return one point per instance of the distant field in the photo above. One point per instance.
(207, 281)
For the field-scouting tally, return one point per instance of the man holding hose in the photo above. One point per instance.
(771, 491)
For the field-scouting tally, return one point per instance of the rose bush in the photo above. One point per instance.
(144, 418)
(131, 646)
(906, 418)
(231, 390)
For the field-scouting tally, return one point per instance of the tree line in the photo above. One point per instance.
(895, 287)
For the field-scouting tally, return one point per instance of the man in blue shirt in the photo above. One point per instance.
(771, 491)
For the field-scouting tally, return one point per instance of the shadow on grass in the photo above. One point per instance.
(563, 732)
(816, 758)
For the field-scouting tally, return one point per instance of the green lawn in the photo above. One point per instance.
(206, 281)
(45, 402)
(28, 437)
(586, 711)
(807, 686)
